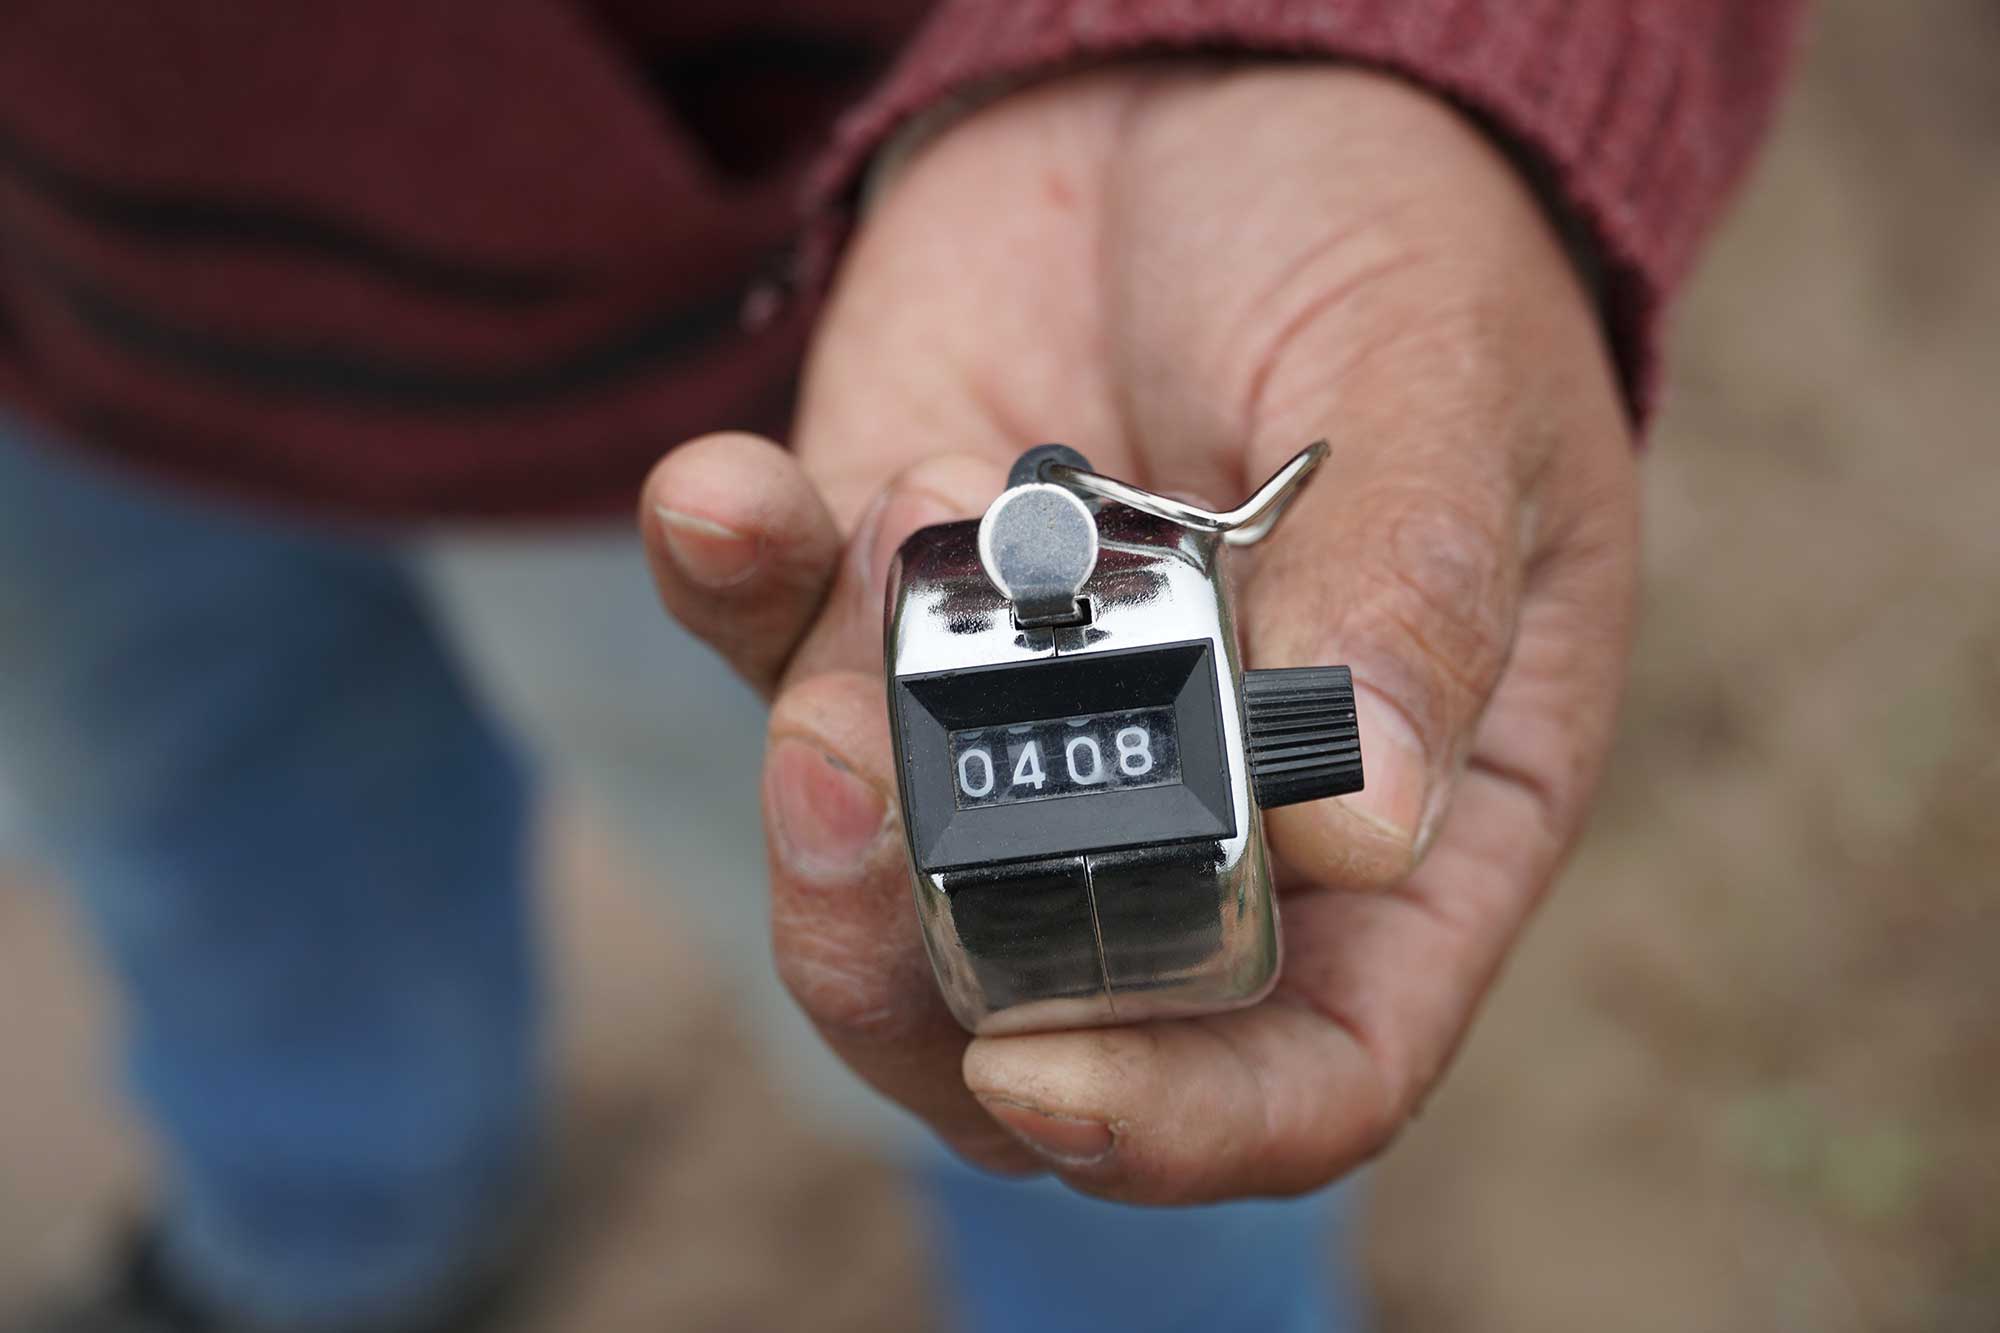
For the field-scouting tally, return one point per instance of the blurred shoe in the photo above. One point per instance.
(129, 1290)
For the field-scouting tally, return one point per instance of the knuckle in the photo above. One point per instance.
(960, 482)
(1439, 592)
(936, 490)
(1370, 1124)
(958, 471)
(1382, 1123)
(850, 995)
(801, 708)
(1380, 1108)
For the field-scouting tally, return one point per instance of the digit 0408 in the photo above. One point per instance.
(1065, 756)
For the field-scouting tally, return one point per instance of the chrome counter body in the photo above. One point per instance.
(1103, 937)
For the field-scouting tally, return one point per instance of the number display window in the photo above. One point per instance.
(1133, 738)
(1065, 756)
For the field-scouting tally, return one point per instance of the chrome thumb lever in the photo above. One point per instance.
(1245, 525)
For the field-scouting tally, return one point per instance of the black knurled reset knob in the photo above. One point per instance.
(1304, 741)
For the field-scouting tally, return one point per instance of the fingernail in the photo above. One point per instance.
(711, 554)
(1066, 1140)
(825, 821)
(1394, 765)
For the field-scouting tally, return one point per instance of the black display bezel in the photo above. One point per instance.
(930, 707)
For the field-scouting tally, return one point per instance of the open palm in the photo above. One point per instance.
(1189, 272)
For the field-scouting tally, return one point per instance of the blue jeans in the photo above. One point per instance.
(297, 826)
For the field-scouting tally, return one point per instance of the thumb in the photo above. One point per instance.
(741, 547)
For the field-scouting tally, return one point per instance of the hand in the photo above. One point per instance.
(1189, 272)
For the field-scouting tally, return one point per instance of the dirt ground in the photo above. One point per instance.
(1745, 1074)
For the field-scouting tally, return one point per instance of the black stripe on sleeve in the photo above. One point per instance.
(319, 370)
(168, 217)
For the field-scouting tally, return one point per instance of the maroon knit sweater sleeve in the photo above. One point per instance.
(1639, 115)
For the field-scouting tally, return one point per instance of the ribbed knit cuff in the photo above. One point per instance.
(1635, 117)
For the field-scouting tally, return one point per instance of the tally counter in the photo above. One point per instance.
(1082, 758)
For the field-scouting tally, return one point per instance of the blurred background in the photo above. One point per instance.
(1745, 1073)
